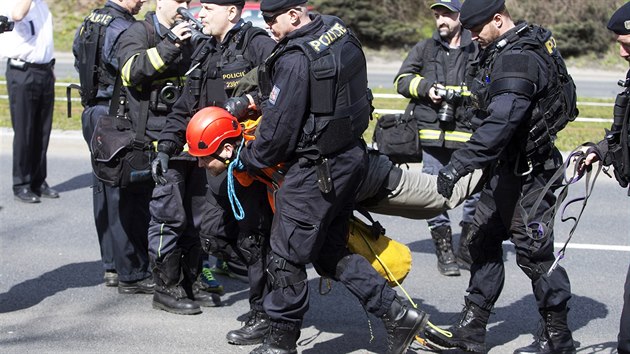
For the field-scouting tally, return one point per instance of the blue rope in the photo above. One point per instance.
(240, 213)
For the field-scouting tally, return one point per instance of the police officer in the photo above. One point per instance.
(518, 69)
(613, 150)
(433, 76)
(235, 47)
(156, 55)
(30, 84)
(314, 113)
(95, 50)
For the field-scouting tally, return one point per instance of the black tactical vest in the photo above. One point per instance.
(340, 101)
(555, 105)
(93, 73)
(224, 67)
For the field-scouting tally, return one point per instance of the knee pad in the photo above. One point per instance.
(533, 269)
(218, 247)
(283, 273)
(250, 248)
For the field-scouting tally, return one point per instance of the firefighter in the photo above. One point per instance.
(434, 76)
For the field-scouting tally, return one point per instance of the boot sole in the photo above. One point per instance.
(421, 323)
(449, 273)
(214, 302)
(158, 306)
(129, 291)
(437, 342)
(245, 341)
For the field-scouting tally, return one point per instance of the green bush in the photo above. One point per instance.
(384, 23)
(579, 27)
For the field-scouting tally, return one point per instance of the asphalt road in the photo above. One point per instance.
(52, 298)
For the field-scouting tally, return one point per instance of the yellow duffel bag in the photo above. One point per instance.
(390, 258)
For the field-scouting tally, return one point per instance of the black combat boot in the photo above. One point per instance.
(402, 324)
(279, 339)
(554, 337)
(463, 254)
(468, 334)
(446, 263)
(253, 332)
(169, 293)
(194, 286)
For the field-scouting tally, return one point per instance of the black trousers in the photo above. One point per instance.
(246, 240)
(499, 218)
(312, 227)
(31, 101)
(176, 210)
(121, 217)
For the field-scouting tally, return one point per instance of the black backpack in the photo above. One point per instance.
(90, 40)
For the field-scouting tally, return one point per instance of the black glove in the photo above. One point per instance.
(238, 107)
(159, 166)
(447, 177)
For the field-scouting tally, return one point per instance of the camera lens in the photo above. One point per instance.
(446, 114)
(169, 94)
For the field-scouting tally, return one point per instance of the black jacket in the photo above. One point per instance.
(433, 61)
(149, 62)
(503, 117)
(214, 88)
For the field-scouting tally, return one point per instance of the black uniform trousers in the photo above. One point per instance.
(31, 102)
(499, 218)
(312, 227)
(121, 216)
(176, 210)
(245, 241)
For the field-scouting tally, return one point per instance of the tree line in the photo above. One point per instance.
(579, 26)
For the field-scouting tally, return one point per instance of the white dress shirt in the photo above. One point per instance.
(32, 38)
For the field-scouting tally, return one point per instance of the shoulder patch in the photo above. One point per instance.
(273, 96)
(329, 37)
(103, 19)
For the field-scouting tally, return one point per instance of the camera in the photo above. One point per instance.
(5, 24)
(451, 98)
(163, 99)
(196, 27)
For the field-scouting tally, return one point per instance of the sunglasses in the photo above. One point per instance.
(271, 18)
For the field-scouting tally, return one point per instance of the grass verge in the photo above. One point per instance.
(573, 135)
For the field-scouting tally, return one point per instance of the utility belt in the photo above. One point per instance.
(312, 156)
(24, 65)
(522, 165)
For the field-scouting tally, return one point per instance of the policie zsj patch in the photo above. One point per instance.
(273, 96)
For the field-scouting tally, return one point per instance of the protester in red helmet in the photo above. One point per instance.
(212, 136)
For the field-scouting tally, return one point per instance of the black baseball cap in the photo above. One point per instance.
(478, 12)
(452, 5)
(238, 3)
(272, 6)
(620, 21)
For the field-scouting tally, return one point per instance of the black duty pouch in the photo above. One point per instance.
(324, 181)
